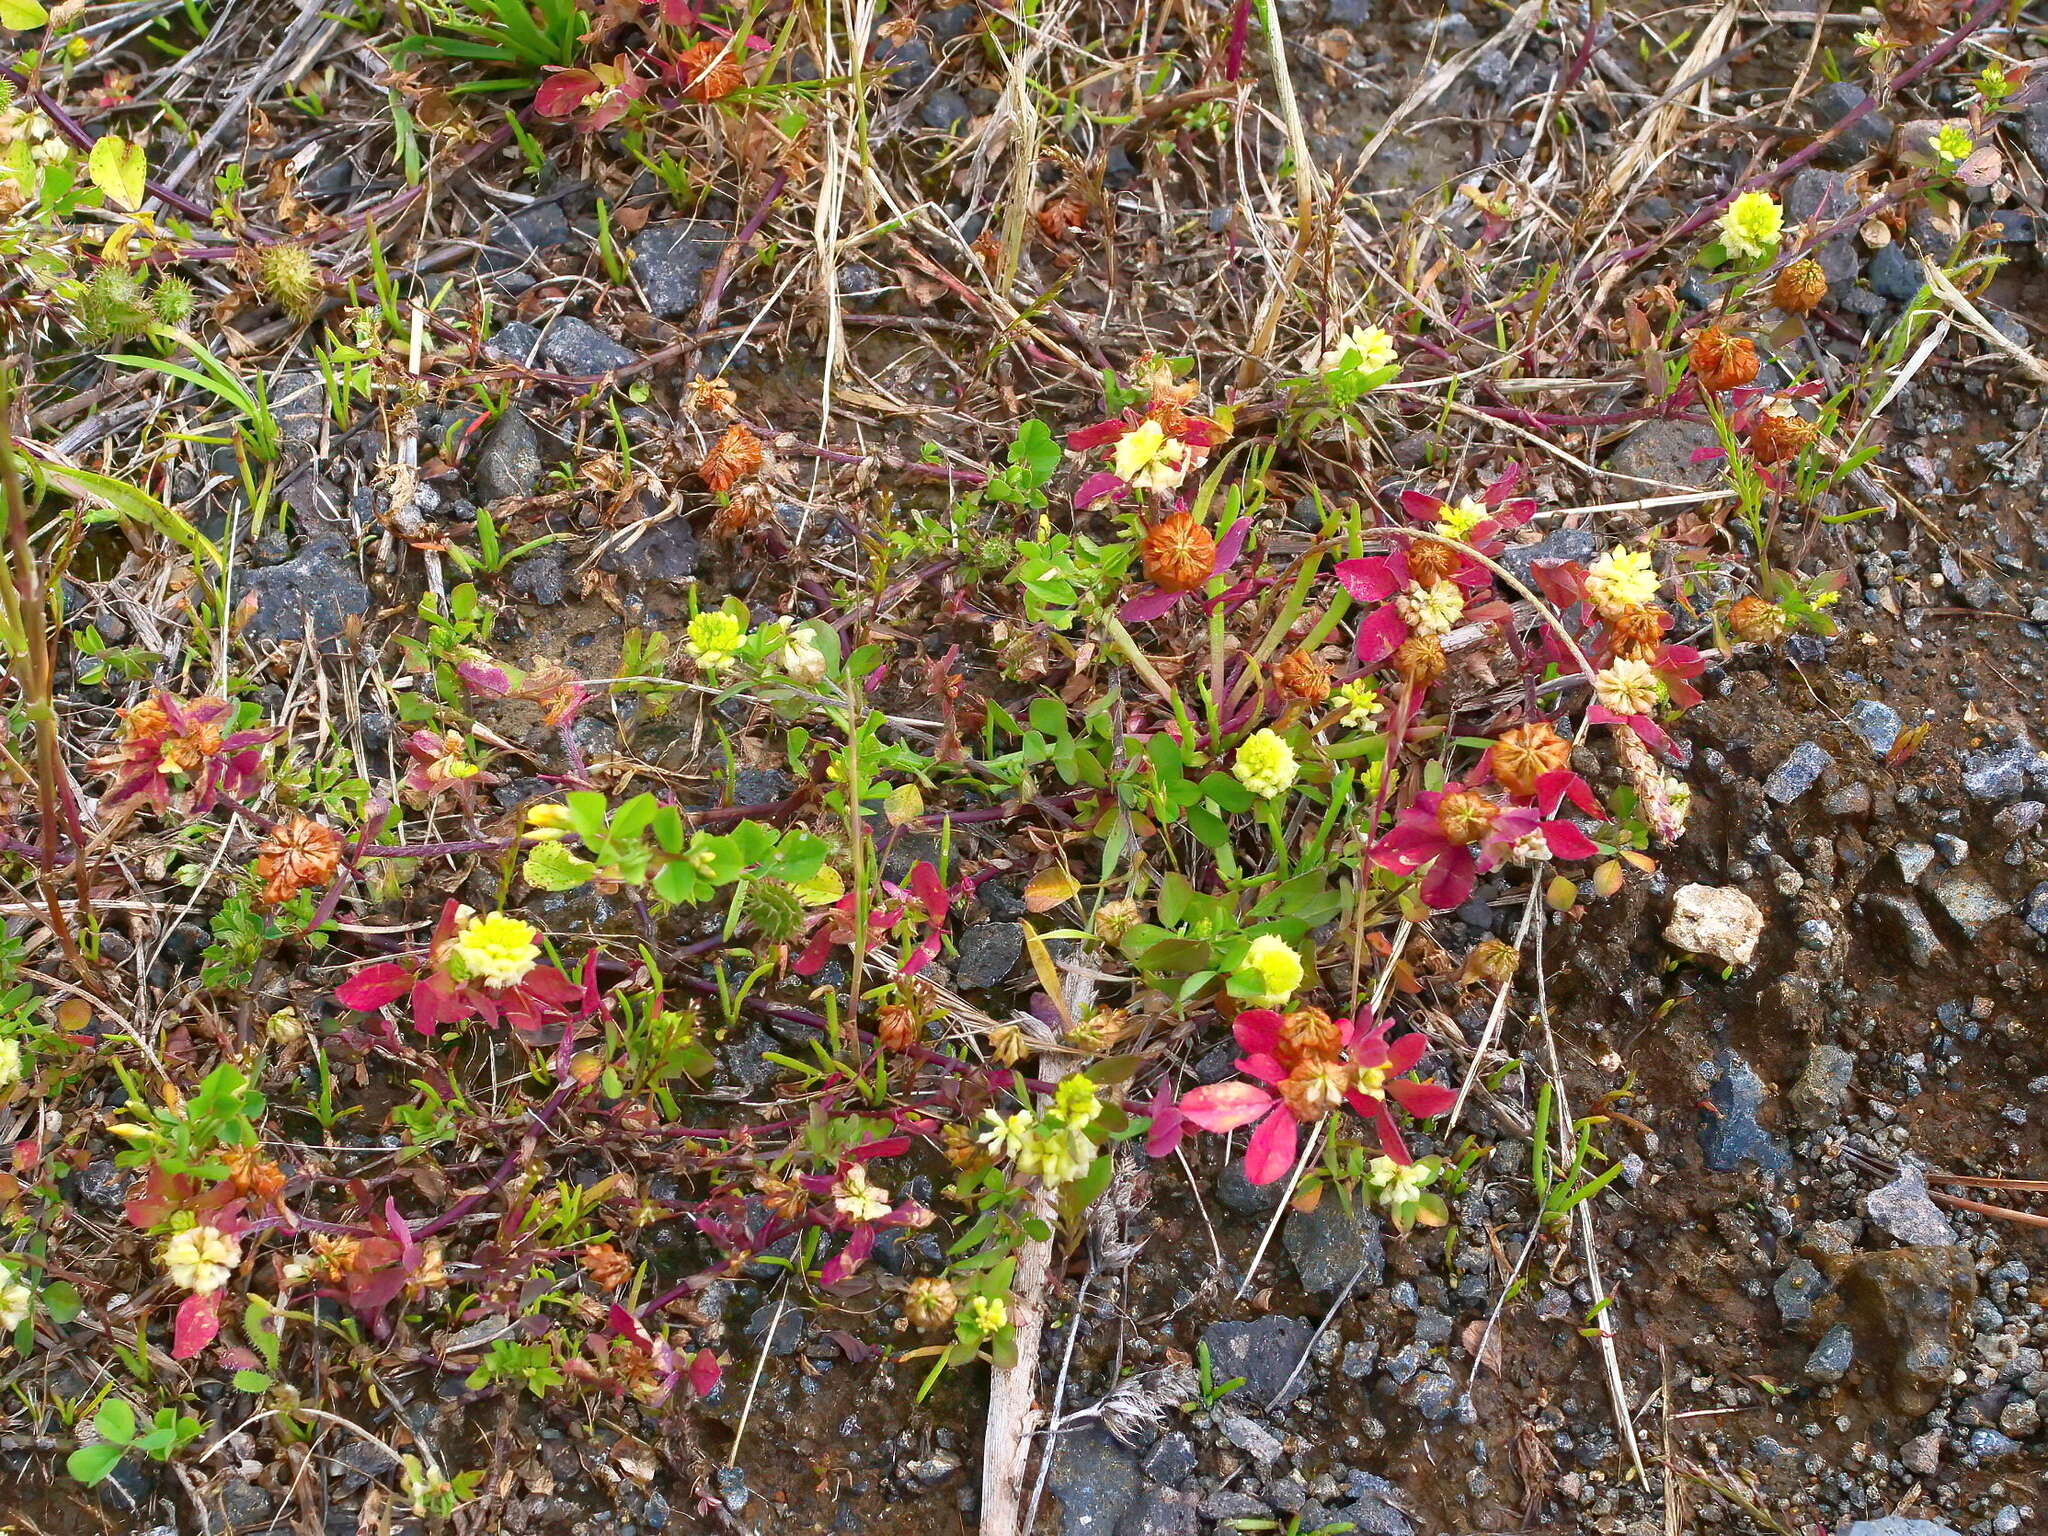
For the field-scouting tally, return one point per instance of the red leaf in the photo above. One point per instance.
(704, 1372)
(198, 1325)
(564, 91)
(1225, 1106)
(374, 987)
(1271, 1152)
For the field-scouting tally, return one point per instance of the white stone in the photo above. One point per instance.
(1719, 921)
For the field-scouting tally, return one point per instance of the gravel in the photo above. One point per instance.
(1968, 900)
(1722, 922)
(1816, 1098)
(1877, 723)
(1903, 1209)
(1331, 1246)
(1730, 1134)
(1832, 1357)
(1263, 1352)
(1900, 919)
(509, 464)
(1800, 771)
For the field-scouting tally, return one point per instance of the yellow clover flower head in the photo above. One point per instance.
(989, 1314)
(1361, 704)
(1076, 1102)
(1265, 764)
(10, 1063)
(1621, 579)
(1629, 687)
(1397, 1182)
(1458, 518)
(15, 1300)
(1432, 608)
(1148, 460)
(201, 1259)
(497, 949)
(1365, 348)
(714, 638)
(1752, 226)
(1275, 967)
(858, 1198)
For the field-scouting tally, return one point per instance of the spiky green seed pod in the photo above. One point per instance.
(172, 299)
(113, 304)
(289, 279)
(775, 912)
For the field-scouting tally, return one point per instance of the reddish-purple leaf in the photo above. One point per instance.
(564, 91)
(1270, 1152)
(1225, 1106)
(1148, 606)
(197, 1326)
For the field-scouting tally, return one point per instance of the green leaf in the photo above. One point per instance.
(19, 16)
(251, 1381)
(118, 167)
(260, 1327)
(61, 1301)
(91, 1464)
(1228, 794)
(115, 1420)
(552, 867)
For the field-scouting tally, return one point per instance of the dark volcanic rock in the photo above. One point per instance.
(989, 952)
(315, 591)
(509, 463)
(670, 261)
(1909, 1309)
(578, 347)
(1095, 1480)
(1331, 1245)
(1730, 1133)
(663, 551)
(1264, 1353)
(1662, 452)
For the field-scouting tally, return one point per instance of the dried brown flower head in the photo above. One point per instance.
(299, 853)
(710, 71)
(1466, 817)
(1916, 21)
(1179, 554)
(1723, 362)
(1061, 217)
(1638, 633)
(1114, 919)
(1800, 287)
(1420, 660)
(1522, 754)
(1317, 1087)
(930, 1302)
(1491, 960)
(1308, 1034)
(1780, 433)
(608, 1268)
(710, 397)
(1301, 677)
(1430, 562)
(746, 509)
(1757, 621)
(254, 1176)
(898, 1027)
(736, 455)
